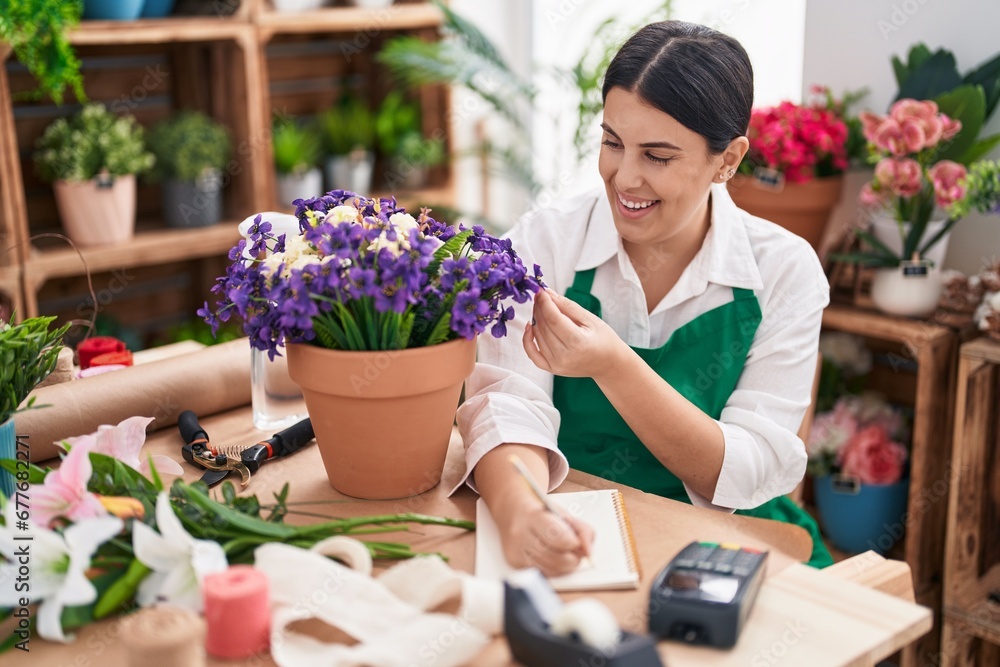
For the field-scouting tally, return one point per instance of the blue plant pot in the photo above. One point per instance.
(868, 517)
(112, 10)
(157, 9)
(8, 450)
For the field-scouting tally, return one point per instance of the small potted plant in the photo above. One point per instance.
(793, 173)
(348, 136)
(296, 154)
(859, 464)
(401, 142)
(29, 351)
(191, 150)
(92, 160)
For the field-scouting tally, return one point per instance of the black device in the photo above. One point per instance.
(705, 594)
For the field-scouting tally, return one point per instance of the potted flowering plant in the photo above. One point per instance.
(92, 160)
(296, 154)
(349, 137)
(792, 174)
(912, 185)
(378, 311)
(859, 464)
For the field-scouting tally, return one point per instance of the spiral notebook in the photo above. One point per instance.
(614, 560)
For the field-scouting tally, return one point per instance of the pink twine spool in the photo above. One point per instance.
(237, 612)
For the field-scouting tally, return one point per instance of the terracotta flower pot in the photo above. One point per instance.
(382, 419)
(801, 208)
(95, 214)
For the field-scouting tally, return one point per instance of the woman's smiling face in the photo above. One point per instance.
(656, 172)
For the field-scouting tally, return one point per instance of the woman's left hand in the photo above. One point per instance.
(567, 339)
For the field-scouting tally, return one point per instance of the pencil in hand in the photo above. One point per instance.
(525, 474)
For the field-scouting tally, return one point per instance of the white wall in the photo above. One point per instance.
(849, 43)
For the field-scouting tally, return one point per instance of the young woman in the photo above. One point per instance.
(676, 347)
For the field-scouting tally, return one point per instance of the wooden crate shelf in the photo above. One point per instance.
(923, 353)
(221, 65)
(349, 19)
(161, 31)
(971, 630)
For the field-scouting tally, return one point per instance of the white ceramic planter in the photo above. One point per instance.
(911, 296)
(302, 186)
(350, 172)
(96, 213)
(886, 230)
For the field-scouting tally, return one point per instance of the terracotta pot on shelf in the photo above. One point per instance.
(382, 419)
(801, 208)
(97, 212)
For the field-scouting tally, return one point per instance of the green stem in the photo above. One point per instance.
(122, 590)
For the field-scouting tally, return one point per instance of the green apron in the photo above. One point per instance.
(703, 361)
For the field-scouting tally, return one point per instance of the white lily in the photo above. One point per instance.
(179, 562)
(58, 565)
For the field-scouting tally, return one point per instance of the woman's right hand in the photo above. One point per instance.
(535, 537)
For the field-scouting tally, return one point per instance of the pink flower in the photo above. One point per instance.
(831, 431)
(910, 109)
(870, 197)
(951, 127)
(123, 442)
(947, 177)
(64, 492)
(870, 122)
(889, 137)
(873, 458)
(913, 135)
(902, 176)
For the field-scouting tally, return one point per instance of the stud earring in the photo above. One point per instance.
(731, 172)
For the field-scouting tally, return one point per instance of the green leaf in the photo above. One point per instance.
(931, 77)
(967, 104)
(442, 329)
(987, 75)
(451, 248)
(864, 259)
(981, 148)
(36, 475)
(882, 249)
(122, 591)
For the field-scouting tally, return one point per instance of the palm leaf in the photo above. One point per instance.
(870, 238)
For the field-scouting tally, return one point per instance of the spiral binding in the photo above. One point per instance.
(626, 525)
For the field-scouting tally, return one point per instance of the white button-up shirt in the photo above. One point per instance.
(509, 399)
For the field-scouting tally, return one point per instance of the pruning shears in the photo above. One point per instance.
(218, 462)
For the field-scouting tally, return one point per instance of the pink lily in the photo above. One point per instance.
(64, 492)
(123, 442)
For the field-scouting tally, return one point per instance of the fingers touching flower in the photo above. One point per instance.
(179, 562)
(64, 492)
(59, 563)
(124, 443)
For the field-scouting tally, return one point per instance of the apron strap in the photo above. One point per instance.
(742, 293)
(584, 280)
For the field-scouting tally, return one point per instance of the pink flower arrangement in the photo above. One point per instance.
(906, 143)
(859, 438)
(800, 141)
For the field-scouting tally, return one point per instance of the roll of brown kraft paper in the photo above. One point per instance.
(208, 381)
(164, 637)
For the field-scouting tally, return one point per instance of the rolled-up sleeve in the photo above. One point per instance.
(764, 457)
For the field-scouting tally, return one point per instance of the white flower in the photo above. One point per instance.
(339, 214)
(403, 222)
(58, 566)
(178, 561)
(272, 262)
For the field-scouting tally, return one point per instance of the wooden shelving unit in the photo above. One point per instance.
(226, 66)
(920, 371)
(972, 556)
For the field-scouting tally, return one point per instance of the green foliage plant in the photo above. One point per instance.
(94, 141)
(188, 144)
(28, 353)
(347, 126)
(297, 147)
(37, 31)
(396, 121)
(971, 98)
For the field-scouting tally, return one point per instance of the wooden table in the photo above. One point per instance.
(802, 616)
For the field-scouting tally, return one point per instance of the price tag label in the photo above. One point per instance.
(769, 179)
